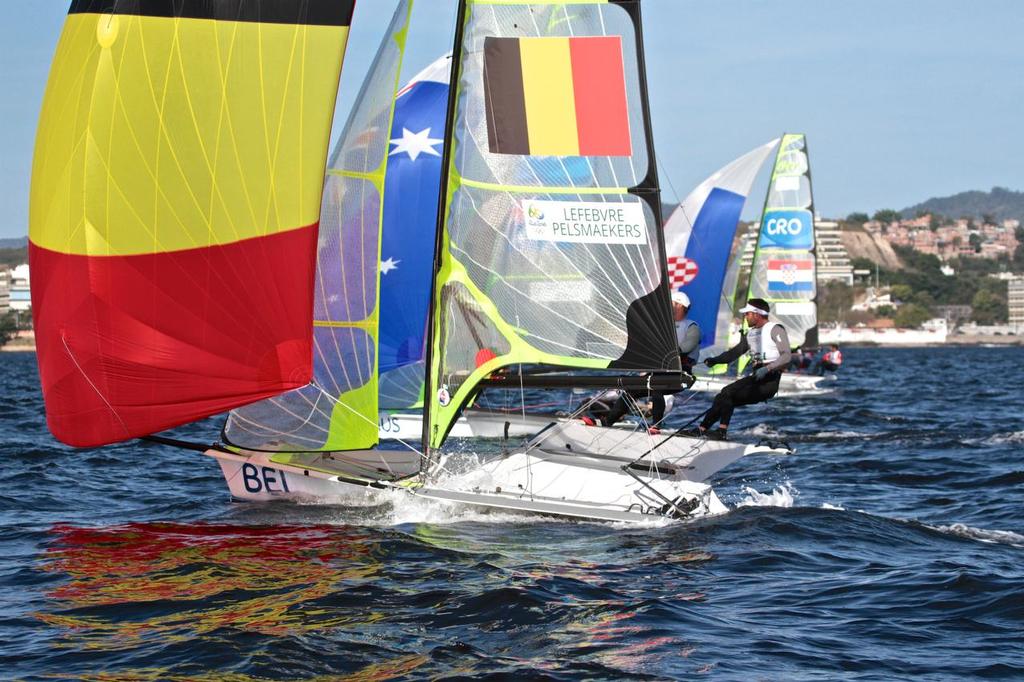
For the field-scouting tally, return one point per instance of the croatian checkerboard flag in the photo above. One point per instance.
(699, 235)
(790, 274)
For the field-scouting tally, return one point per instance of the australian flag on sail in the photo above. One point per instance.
(411, 187)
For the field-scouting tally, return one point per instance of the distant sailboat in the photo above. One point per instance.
(783, 269)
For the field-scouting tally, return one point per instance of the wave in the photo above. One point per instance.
(1001, 537)
(781, 496)
(1004, 438)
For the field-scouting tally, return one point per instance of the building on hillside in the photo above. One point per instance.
(954, 314)
(20, 292)
(1015, 303)
(5, 291)
(833, 260)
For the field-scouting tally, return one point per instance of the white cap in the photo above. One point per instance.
(755, 305)
(681, 298)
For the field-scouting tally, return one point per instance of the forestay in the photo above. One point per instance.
(551, 248)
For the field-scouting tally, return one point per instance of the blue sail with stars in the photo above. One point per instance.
(411, 187)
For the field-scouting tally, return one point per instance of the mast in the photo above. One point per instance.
(442, 210)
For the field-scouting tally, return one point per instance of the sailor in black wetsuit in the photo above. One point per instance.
(767, 344)
(688, 341)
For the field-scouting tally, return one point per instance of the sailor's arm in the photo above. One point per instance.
(729, 355)
(781, 338)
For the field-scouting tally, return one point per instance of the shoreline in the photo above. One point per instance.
(974, 340)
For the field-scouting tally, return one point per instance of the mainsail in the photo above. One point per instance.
(550, 250)
(699, 236)
(337, 410)
(174, 206)
(411, 189)
(783, 271)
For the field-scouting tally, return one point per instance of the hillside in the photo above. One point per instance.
(874, 247)
(14, 243)
(1000, 203)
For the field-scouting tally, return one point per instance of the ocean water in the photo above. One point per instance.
(890, 546)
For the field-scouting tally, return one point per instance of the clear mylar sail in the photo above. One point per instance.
(337, 410)
(783, 271)
(174, 205)
(551, 249)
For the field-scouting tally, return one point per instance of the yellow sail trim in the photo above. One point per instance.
(161, 134)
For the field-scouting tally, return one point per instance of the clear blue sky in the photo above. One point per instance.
(901, 100)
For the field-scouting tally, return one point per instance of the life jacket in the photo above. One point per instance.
(835, 357)
(762, 349)
(689, 359)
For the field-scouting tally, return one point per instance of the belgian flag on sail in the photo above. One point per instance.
(174, 206)
(556, 96)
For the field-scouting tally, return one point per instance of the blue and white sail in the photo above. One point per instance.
(411, 190)
(699, 236)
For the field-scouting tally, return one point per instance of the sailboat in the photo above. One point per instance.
(783, 268)
(547, 252)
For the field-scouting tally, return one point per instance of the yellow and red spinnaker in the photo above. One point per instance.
(175, 197)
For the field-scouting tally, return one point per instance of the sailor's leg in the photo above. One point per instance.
(657, 407)
(722, 407)
(620, 408)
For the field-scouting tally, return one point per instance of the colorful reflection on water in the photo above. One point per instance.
(169, 582)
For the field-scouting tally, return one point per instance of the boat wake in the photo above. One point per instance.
(781, 496)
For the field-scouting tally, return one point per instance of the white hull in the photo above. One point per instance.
(257, 477)
(677, 458)
(473, 423)
(577, 487)
(791, 385)
(540, 483)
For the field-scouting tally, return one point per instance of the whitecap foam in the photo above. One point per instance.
(840, 434)
(833, 507)
(1003, 438)
(781, 496)
(1002, 537)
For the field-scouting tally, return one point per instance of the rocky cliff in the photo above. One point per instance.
(874, 247)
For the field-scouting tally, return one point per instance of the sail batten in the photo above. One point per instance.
(337, 409)
(174, 208)
(550, 249)
(784, 270)
(698, 238)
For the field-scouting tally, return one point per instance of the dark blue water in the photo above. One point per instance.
(891, 546)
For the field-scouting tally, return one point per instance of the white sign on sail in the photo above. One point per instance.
(588, 222)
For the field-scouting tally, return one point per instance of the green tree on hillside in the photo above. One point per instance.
(1018, 255)
(8, 327)
(988, 308)
(857, 218)
(886, 216)
(911, 315)
(834, 301)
